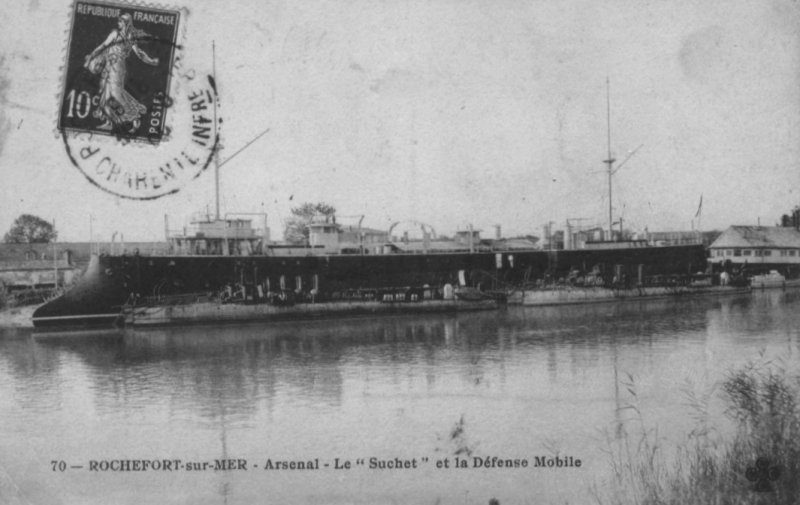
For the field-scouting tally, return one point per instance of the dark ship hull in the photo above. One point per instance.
(110, 282)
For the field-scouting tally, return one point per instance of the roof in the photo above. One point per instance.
(81, 251)
(758, 237)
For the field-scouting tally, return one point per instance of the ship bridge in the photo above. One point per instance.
(232, 236)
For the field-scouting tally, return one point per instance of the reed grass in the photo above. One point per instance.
(753, 459)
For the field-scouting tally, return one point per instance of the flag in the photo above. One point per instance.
(699, 207)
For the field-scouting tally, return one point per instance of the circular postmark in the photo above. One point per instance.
(133, 119)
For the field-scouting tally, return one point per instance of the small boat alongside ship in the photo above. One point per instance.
(569, 295)
(771, 280)
(200, 309)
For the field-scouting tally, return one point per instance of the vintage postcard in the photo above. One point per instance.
(399, 252)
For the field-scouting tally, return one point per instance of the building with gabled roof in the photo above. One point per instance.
(759, 248)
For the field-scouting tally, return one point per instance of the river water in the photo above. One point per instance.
(524, 384)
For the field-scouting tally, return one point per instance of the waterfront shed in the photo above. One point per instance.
(758, 247)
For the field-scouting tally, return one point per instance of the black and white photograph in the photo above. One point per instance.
(400, 252)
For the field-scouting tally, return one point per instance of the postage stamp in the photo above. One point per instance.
(119, 65)
(136, 119)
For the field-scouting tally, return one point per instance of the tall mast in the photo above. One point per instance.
(609, 161)
(217, 164)
(216, 127)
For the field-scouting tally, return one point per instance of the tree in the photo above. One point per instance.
(296, 229)
(791, 220)
(30, 229)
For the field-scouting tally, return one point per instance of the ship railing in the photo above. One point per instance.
(388, 294)
(627, 282)
(173, 299)
(249, 294)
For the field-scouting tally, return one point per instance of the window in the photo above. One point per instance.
(767, 252)
(747, 252)
(728, 252)
(792, 253)
(737, 252)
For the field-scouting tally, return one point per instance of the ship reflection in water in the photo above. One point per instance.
(517, 383)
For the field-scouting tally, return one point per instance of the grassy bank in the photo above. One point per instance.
(753, 459)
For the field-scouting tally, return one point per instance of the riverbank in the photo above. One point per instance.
(17, 317)
(752, 460)
(17, 307)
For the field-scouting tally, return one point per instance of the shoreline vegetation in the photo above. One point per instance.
(754, 459)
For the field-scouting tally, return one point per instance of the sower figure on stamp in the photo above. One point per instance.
(108, 59)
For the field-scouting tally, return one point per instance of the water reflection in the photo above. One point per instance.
(522, 378)
(195, 367)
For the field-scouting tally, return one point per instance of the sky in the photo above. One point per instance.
(448, 112)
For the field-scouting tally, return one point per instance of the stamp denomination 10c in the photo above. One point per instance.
(118, 70)
(134, 119)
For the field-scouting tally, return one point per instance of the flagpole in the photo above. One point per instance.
(700, 214)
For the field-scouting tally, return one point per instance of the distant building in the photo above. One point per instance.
(760, 248)
(79, 252)
(24, 266)
(669, 238)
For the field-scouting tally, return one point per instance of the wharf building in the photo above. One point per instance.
(757, 249)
